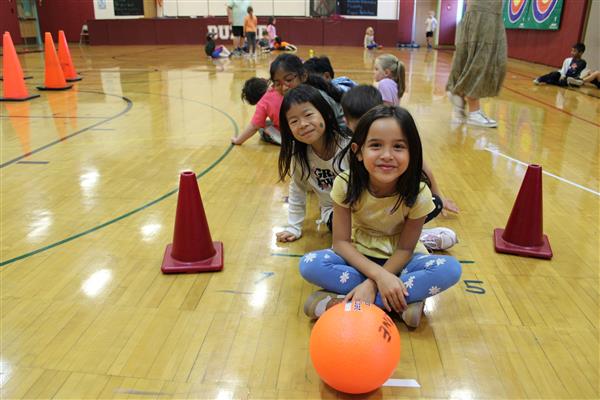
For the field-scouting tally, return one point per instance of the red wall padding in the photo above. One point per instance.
(405, 22)
(9, 21)
(447, 22)
(550, 47)
(66, 15)
(305, 31)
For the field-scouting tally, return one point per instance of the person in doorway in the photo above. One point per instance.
(430, 26)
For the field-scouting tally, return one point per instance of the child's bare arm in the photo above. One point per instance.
(245, 135)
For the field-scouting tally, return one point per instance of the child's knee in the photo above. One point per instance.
(310, 263)
(453, 270)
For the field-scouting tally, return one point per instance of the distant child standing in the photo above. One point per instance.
(369, 41)
(311, 142)
(430, 26)
(272, 31)
(379, 207)
(389, 75)
(250, 23)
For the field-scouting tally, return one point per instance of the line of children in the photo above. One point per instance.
(381, 229)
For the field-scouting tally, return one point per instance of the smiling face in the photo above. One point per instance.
(284, 80)
(306, 123)
(385, 155)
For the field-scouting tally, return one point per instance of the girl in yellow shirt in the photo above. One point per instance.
(379, 207)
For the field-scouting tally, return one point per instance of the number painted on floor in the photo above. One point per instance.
(473, 288)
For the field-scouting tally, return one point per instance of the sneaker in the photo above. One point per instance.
(319, 302)
(478, 118)
(537, 82)
(574, 81)
(412, 315)
(268, 138)
(438, 238)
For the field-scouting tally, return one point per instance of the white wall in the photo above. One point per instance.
(386, 9)
(592, 37)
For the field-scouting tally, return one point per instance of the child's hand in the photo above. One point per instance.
(392, 291)
(236, 140)
(449, 205)
(366, 292)
(285, 236)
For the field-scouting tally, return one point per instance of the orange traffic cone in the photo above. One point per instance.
(24, 77)
(14, 86)
(193, 249)
(524, 233)
(64, 56)
(55, 79)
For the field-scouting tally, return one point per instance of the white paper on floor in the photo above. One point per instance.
(402, 383)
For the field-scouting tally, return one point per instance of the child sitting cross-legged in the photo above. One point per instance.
(379, 207)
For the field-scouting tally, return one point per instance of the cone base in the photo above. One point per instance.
(25, 77)
(76, 79)
(33, 96)
(502, 246)
(173, 266)
(52, 88)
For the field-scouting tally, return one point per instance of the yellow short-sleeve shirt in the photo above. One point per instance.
(375, 229)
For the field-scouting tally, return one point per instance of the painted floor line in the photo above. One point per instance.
(577, 185)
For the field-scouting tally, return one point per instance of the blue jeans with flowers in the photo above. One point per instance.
(424, 275)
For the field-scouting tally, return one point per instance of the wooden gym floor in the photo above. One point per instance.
(88, 203)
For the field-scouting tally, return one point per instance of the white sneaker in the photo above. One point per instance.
(478, 118)
(438, 238)
(536, 82)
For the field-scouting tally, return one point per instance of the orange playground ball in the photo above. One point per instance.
(355, 347)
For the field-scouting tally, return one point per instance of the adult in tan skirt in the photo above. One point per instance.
(479, 63)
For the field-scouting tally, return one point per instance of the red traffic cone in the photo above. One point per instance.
(192, 249)
(524, 233)
(12, 74)
(55, 78)
(64, 56)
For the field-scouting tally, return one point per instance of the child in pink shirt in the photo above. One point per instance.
(272, 31)
(268, 101)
